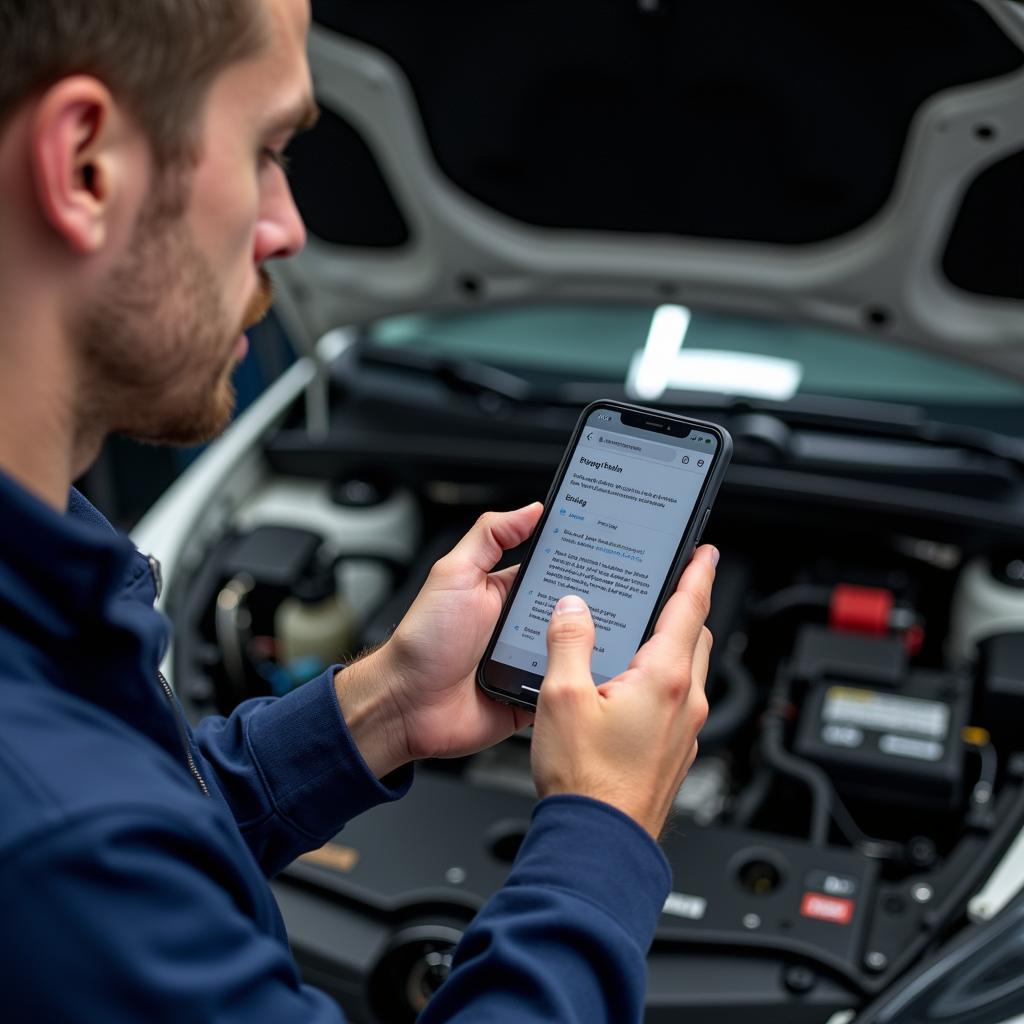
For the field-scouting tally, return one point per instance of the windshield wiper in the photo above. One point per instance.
(770, 423)
(814, 430)
(466, 376)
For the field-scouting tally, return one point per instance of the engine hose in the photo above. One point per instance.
(793, 598)
(736, 705)
(877, 849)
(752, 798)
(777, 757)
(826, 805)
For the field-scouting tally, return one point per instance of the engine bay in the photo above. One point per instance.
(859, 775)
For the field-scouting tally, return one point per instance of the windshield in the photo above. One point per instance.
(609, 342)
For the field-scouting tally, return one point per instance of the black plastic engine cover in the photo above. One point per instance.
(740, 898)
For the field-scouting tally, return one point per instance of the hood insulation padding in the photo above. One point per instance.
(777, 122)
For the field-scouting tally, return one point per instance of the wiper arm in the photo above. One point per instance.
(754, 422)
(766, 422)
(467, 376)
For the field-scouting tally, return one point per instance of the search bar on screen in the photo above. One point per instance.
(623, 444)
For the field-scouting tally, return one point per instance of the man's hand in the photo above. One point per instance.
(630, 741)
(416, 696)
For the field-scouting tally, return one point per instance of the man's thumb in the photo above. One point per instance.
(570, 642)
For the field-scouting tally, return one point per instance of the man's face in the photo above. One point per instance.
(162, 338)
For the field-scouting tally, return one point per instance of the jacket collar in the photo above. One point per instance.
(76, 605)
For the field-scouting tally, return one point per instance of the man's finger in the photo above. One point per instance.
(678, 631)
(521, 717)
(490, 537)
(685, 612)
(570, 645)
(701, 658)
(504, 579)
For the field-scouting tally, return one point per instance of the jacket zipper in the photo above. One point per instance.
(176, 711)
(158, 583)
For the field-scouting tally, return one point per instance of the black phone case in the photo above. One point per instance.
(702, 510)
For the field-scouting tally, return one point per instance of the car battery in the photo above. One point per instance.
(881, 735)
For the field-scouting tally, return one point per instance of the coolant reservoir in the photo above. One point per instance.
(315, 622)
(354, 517)
(989, 599)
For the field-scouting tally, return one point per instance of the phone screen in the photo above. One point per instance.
(611, 535)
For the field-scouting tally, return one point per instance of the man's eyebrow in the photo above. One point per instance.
(296, 119)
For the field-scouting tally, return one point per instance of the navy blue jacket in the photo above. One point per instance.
(126, 894)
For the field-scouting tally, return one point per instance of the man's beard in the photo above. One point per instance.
(157, 347)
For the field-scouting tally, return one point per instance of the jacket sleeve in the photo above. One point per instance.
(566, 938)
(141, 919)
(290, 771)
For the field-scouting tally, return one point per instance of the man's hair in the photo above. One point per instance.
(158, 57)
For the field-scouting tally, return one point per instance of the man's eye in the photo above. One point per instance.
(278, 157)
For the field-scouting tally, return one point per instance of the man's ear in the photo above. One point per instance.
(76, 160)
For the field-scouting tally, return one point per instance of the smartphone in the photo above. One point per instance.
(628, 506)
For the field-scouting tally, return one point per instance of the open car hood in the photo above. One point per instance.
(856, 166)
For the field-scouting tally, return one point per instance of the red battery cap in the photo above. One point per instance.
(855, 609)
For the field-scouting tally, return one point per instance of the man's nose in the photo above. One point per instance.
(280, 232)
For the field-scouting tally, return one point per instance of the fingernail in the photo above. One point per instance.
(715, 556)
(570, 605)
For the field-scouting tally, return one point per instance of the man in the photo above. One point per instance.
(141, 194)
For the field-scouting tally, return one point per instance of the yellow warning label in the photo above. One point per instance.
(849, 693)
